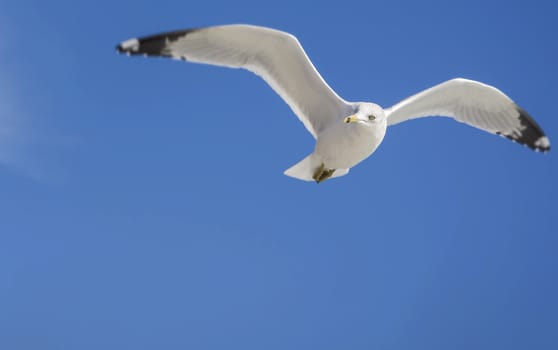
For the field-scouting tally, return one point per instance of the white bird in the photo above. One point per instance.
(346, 133)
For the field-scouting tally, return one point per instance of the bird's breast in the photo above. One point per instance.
(345, 145)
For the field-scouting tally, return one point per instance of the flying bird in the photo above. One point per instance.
(346, 133)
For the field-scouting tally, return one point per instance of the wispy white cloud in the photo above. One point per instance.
(10, 131)
(25, 148)
(11, 115)
(15, 135)
(18, 141)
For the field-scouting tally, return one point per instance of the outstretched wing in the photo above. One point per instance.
(275, 56)
(476, 104)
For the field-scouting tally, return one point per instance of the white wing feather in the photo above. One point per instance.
(275, 56)
(476, 104)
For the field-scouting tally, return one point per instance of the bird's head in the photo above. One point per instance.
(367, 113)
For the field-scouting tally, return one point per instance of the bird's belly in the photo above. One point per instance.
(343, 147)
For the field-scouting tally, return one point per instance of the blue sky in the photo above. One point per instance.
(143, 205)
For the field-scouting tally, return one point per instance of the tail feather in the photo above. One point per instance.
(305, 169)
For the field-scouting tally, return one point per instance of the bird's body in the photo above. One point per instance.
(346, 132)
(343, 146)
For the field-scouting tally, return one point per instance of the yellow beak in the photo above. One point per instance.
(351, 119)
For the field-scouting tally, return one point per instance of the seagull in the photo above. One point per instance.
(346, 133)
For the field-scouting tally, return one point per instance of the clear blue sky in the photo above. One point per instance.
(143, 205)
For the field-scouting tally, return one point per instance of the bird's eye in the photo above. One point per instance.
(371, 117)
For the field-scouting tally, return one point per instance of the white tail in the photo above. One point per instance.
(305, 169)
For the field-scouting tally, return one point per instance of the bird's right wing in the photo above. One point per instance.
(275, 56)
(479, 105)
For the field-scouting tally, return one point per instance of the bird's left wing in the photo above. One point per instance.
(274, 55)
(476, 104)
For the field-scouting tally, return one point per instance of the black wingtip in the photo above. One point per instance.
(153, 45)
(530, 134)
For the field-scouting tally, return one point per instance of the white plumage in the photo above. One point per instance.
(346, 132)
(476, 104)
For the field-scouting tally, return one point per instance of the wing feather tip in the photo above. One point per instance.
(543, 144)
(153, 45)
(128, 46)
(530, 134)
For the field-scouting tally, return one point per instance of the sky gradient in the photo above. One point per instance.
(143, 203)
